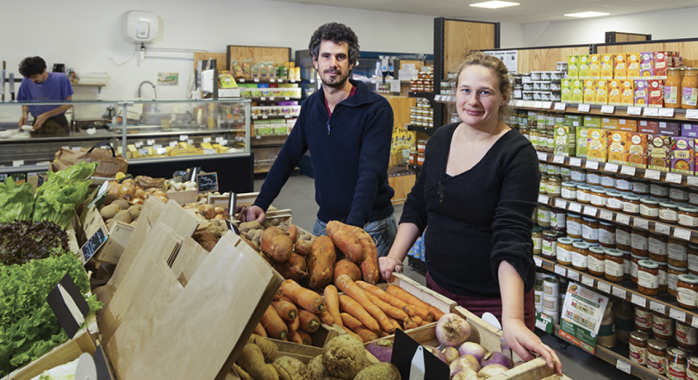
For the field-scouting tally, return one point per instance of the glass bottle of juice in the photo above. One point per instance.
(672, 88)
(690, 88)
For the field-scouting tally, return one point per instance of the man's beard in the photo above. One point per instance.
(341, 80)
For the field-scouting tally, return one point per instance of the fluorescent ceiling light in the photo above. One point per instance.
(494, 4)
(587, 14)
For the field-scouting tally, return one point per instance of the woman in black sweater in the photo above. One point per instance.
(477, 191)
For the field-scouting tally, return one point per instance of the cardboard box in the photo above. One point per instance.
(637, 150)
(578, 91)
(620, 70)
(566, 91)
(607, 64)
(601, 92)
(689, 130)
(592, 121)
(641, 93)
(595, 66)
(565, 140)
(669, 129)
(582, 135)
(573, 120)
(618, 147)
(614, 93)
(647, 126)
(655, 93)
(598, 145)
(661, 62)
(647, 65)
(583, 67)
(627, 92)
(572, 66)
(590, 91)
(683, 158)
(659, 152)
(632, 61)
(183, 197)
(609, 123)
(627, 125)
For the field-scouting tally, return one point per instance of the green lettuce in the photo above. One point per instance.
(77, 173)
(57, 203)
(16, 202)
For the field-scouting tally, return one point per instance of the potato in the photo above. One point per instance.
(110, 223)
(216, 222)
(219, 210)
(109, 211)
(123, 216)
(219, 217)
(254, 225)
(135, 211)
(344, 357)
(379, 371)
(294, 367)
(276, 244)
(207, 211)
(123, 204)
(315, 369)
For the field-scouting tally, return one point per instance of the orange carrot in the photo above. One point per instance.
(294, 325)
(259, 330)
(417, 319)
(400, 293)
(387, 308)
(395, 323)
(327, 318)
(309, 321)
(385, 297)
(410, 324)
(347, 285)
(437, 313)
(306, 338)
(332, 303)
(352, 333)
(287, 310)
(279, 293)
(384, 334)
(305, 298)
(350, 321)
(357, 311)
(294, 337)
(273, 324)
(424, 323)
(366, 334)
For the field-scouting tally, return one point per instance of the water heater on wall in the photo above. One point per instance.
(139, 26)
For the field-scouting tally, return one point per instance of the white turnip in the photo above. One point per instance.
(436, 353)
(495, 358)
(450, 353)
(491, 370)
(472, 348)
(462, 363)
(452, 330)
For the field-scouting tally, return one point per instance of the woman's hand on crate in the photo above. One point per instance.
(523, 341)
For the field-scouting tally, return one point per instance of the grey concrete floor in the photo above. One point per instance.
(299, 195)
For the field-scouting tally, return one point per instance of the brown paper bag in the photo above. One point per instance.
(109, 162)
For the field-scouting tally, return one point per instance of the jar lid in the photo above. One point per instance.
(688, 208)
(612, 193)
(634, 256)
(640, 180)
(688, 278)
(597, 250)
(553, 179)
(668, 204)
(677, 352)
(599, 190)
(607, 223)
(693, 246)
(619, 176)
(574, 215)
(626, 252)
(692, 359)
(678, 269)
(613, 252)
(537, 229)
(678, 187)
(581, 245)
(650, 264)
(584, 187)
(631, 197)
(640, 336)
(552, 280)
(565, 240)
(587, 219)
(550, 233)
(569, 184)
(538, 288)
(657, 344)
(649, 201)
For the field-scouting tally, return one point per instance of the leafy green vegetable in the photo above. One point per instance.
(77, 173)
(28, 327)
(16, 202)
(57, 203)
(22, 241)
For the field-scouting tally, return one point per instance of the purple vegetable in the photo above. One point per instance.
(463, 363)
(472, 348)
(450, 353)
(452, 330)
(436, 353)
(495, 358)
(382, 349)
(491, 370)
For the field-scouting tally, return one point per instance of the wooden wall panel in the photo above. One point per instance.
(688, 50)
(276, 55)
(629, 37)
(219, 57)
(546, 59)
(462, 36)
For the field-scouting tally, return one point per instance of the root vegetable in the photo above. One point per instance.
(437, 313)
(379, 371)
(435, 351)
(295, 268)
(283, 374)
(269, 349)
(287, 310)
(295, 368)
(385, 297)
(276, 244)
(346, 266)
(388, 309)
(307, 339)
(474, 349)
(491, 370)
(409, 324)
(344, 357)
(332, 303)
(309, 321)
(320, 262)
(351, 322)
(292, 232)
(254, 225)
(108, 212)
(316, 371)
(495, 358)
(294, 337)
(303, 247)
(421, 308)
(219, 210)
(348, 286)
(349, 244)
(251, 361)
(382, 349)
(241, 373)
(122, 203)
(452, 330)
(123, 216)
(451, 354)
(135, 211)
(366, 334)
(327, 318)
(357, 311)
(259, 330)
(294, 325)
(467, 374)
(305, 298)
(273, 324)
(463, 363)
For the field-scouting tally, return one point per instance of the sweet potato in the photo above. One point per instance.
(320, 262)
(346, 266)
(292, 232)
(349, 244)
(369, 266)
(294, 268)
(276, 244)
(302, 247)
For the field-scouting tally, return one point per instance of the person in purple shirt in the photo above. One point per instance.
(40, 85)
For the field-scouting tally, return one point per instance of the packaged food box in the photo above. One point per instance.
(565, 140)
(628, 125)
(584, 67)
(572, 66)
(607, 63)
(598, 145)
(589, 91)
(592, 121)
(627, 92)
(683, 155)
(595, 66)
(641, 93)
(582, 134)
(566, 96)
(573, 120)
(609, 123)
(647, 65)
(632, 61)
(655, 93)
(578, 91)
(669, 128)
(689, 130)
(620, 70)
(659, 152)
(661, 62)
(614, 94)
(601, 92)
(637, 150)
(618, 147)
(647, 126)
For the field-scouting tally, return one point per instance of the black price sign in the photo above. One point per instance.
(207, 182)
(93, 244)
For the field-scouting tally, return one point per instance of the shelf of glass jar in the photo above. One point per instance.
(608, 110)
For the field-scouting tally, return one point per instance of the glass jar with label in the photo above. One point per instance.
(639, 242)
(677, 252)
(607, 234)
(553, 170)
(624, 184)
(659, 190)
(641, 187)
(692, 368)
(649, 208)
(593, 178)
(662, 276)
(662, 327)
(648, 277)
(569, 190)
(613, 265)
(631, 204)
(564, 250)
(672, 92)
(543, 185)
(627, 265)
(578, 175)
(689, 88)
(676, 362)
(656, 356)
(678, 194)
(668, 212)
(623, 237)
(557, 219)
(580, 253)
(608, 181)
(583, 193)
(657, 246)
(553, 186)
(688, 216)
(544, 216)
(643, 319)
(686, 336)
(590, 230)
(614, 200)
(420, 159)
(693, 197)
(687, 291)
(692, 258)
(537, 236)
(638, 347)
(673, 274)
(634, 267)
(595, 261)
(598, 196)
(574, 226)
(549, 244)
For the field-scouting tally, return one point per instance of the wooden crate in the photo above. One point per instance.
(297, 351)
(425, 294)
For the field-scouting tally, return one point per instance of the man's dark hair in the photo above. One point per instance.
(32, 66)
(337, 33)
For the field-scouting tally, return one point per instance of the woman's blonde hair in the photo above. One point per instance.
(500, 70)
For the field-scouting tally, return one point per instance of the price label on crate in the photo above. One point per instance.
(623, 219)
(588, 281)
(263, 98)
(691, 114)
(604, 287)
(583, 108)
(627, 170)
(641, 223)
(606, 215)
(692, 180)
(680, 233)
(575, 207)
(674, 178)
(679, 315)
(183, 137)
(638, 300)
(653, 174)
(591, 211)
(18, 163)
(635, 111)
(613, 168)
(650, 111)
(607, 109)
(575, 161)
(560, 203)
(542, 156)
(173, 144)
(559, 269)
(538, 261)
(618, 292)
(543, 198)
(150, 142)
(662, 229)
(559, 159)
(593, 165)
(572, 275)
(624, 366)
(658, 307)
(563, 106)
(666, 112)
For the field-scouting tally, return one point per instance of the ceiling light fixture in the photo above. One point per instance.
(587, 14)
(494, 4)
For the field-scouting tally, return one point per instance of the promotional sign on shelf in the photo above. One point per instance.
(581, 316)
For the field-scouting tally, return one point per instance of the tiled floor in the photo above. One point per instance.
(299, 195)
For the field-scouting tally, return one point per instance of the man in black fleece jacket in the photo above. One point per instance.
(347, 128)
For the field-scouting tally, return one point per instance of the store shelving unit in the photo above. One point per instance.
(427, 130)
